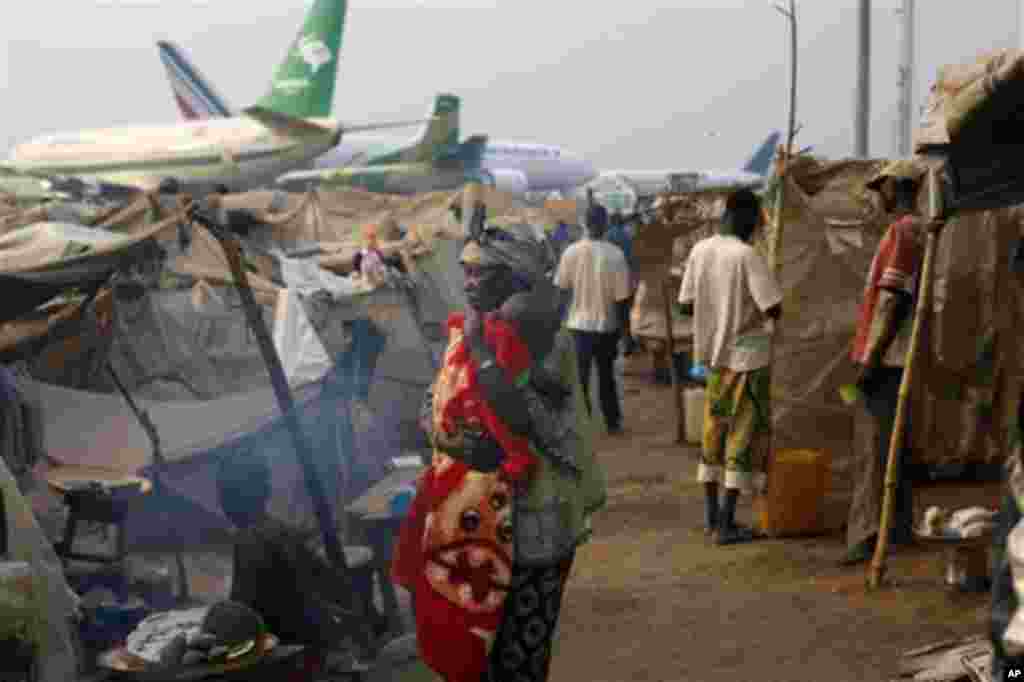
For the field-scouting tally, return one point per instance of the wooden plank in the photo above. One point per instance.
(946, 661)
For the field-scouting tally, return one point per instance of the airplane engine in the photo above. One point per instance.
(509, 181)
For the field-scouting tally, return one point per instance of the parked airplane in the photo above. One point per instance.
(197, 100)
(286, 129)
(649, 182)
(432, 161)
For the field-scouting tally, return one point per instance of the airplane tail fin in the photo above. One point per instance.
(472, 150)
(196, 98)
(761, 162)
(303, 85)
(441, 132)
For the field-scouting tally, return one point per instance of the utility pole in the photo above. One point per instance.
(906, 120)
(863, 103)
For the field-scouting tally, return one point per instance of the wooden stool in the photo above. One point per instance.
(97, 496)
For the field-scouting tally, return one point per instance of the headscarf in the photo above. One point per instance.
(514, 246)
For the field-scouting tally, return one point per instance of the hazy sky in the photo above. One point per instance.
(629, 84)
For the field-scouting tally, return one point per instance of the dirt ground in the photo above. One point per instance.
(651, 599)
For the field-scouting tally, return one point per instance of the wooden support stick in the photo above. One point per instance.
(877, 569)
(158, 483)
(303, 449)
(677, 385)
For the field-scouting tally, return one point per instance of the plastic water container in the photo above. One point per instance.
(797, 484)
(694, 401)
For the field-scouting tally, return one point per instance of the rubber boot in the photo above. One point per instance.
(710, 508)
(729, 533)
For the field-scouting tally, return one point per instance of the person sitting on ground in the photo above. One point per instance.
(277, 570)
(730, 292)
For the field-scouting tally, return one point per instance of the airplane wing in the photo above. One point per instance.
(278, 121)
(386, 126)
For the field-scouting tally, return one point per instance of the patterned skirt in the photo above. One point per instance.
(522, 646)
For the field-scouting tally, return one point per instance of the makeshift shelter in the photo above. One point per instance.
(37, 264)
(832, 227)
(184, 350)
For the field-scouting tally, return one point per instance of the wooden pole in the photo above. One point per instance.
(158, 482)
(936, 220)
(677, 384)
(282, 392)
(783, 174)
(776, 244)
(279, 382)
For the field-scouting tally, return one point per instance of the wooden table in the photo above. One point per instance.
(372, 513)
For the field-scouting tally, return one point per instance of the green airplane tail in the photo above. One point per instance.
(441, 134)
(303, 85)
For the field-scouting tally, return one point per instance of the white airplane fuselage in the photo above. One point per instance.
(518, 167)
(240, 153)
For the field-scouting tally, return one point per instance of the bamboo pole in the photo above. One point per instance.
(677, 384)
(780, 199)
(936, 221)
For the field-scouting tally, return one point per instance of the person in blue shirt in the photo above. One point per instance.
(618, 234)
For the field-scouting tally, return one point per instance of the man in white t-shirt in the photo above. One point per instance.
(731, 293)
(596, 273)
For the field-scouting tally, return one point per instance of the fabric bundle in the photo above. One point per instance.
(971, 522)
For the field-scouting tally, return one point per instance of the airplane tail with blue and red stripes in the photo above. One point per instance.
(195, 97)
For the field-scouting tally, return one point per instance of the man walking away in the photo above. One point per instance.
(879, 348)
(731, 293)
(618, 235)
(597, 275)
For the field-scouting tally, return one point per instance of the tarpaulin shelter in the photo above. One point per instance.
(833, 225)
(183, 348)
(36, 265)
(974, 127)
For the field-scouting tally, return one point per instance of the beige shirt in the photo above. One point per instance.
(598, 276)
(730, 286)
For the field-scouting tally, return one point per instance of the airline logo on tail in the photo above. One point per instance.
(303, 86)
(195, 97)
(313, 51)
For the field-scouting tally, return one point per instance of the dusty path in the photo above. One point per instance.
(650, 599)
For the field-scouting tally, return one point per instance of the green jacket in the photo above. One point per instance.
(550, 488)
